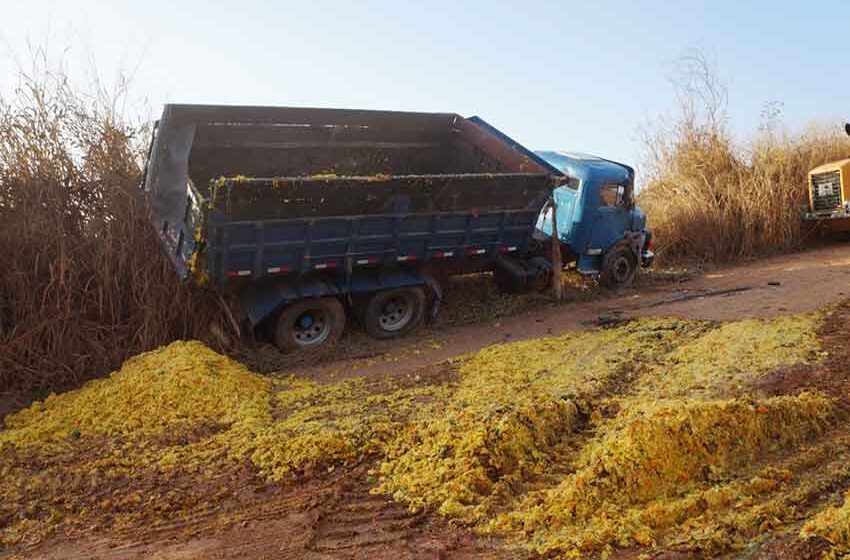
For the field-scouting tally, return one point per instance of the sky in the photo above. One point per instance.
(580, 76)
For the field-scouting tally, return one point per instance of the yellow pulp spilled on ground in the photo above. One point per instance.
(651, 456)
(646, 433)
(729, 358)
(171, 389)
(833, 524)
(326, 424)
(578, 443)
(179, 411)
(514, 404)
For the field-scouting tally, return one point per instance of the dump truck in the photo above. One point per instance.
(310, 217)
(829, 195)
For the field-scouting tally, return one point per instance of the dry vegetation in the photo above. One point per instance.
(82, 281)
(710, 199)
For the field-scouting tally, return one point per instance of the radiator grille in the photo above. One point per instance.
(826, 190)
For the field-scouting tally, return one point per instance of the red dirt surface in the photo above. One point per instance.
(315, 519)
(779, 285)
(334, 516)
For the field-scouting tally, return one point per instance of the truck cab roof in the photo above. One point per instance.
(586, 167)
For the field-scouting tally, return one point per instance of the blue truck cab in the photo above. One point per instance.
(596, 215)
(307, 218)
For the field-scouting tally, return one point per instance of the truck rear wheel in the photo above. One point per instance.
(618, 268)
(310, 323)
(510, 276)
(395, 312)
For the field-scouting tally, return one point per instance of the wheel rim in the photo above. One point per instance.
(396, 313)
(622, 268)
(311, 327)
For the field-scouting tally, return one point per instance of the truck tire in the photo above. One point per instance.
(619, 267)
(395, 312)
(510, 276)
(309, 324)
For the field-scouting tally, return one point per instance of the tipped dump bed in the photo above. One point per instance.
(254, 191)
(349, 155)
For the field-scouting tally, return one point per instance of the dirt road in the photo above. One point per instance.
(333, 515)
(793, 283)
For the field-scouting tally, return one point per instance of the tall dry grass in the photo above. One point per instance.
(83, 284)
(711, 199)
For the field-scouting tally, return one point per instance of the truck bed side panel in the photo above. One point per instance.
(348, 188)
(265, 249)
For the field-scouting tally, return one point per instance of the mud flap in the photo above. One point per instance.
(436, 300)
(542, 277)
(262, 300)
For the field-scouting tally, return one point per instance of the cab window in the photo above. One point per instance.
(612, 195)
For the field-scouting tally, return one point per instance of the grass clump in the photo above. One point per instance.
(711, 199)
(83, 281)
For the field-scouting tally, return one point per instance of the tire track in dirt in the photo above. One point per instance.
(793, 283)
(332, 517)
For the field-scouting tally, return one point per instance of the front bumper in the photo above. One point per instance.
(646, 259)
(835, 214)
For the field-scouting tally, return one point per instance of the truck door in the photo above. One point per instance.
(610, 217)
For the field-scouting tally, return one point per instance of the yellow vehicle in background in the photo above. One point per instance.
(829, 195)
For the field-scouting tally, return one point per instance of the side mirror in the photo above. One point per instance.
(847, 129)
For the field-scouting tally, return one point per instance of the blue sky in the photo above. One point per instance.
(571, 75)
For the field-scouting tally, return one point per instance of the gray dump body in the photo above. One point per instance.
(202, 143)
(242, 191)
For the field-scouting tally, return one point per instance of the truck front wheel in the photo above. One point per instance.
(310, 323)
(618, 268)
(395, 312)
